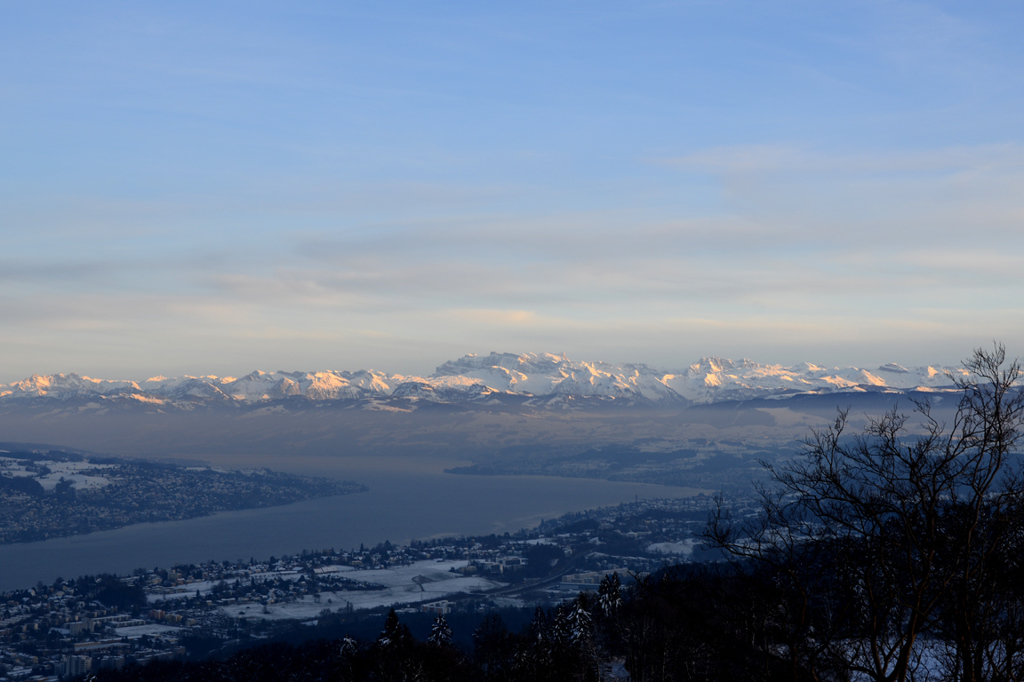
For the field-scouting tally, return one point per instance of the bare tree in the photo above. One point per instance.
(879, 538)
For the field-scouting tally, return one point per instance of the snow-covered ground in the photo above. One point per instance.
(419, 582)
(541, 541)
(66, 470)
(151, 629)
(71, 471)
(13, 467)
(204, 587)
(683, 547)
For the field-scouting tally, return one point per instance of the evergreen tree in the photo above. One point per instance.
(395, 652)
(539, 632)
(582, 641)
(492, 647)
(561, 630)
(609, 594)
(581, 625)
(440, 633)
(348, 646)
(395, 634)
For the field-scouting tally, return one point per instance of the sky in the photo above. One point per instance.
(213, 188)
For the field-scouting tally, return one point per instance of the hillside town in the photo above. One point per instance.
(52, 494)
(55, 632)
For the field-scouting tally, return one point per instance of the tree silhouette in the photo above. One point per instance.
(878, 539)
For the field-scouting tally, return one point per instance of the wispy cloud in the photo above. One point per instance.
(336, 184)
(801, 233)
(786, 159)
(516, 318)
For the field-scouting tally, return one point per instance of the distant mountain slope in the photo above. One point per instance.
(539, 379)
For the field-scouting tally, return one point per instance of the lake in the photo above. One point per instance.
(410, 500)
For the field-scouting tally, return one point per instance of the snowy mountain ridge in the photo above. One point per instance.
(552, 378)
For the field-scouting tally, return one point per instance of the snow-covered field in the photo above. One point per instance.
(67, 470)
(13, 467)
(70, 471)
(204, 587)
(419, 582)
(683, 547)
(152, 629)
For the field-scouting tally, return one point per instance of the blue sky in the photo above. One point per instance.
(218, 187)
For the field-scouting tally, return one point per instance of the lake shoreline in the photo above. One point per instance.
(398, 507)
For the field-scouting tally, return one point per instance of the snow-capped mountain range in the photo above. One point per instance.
(538, 378)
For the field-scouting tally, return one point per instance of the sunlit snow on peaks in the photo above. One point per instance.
(479, 377)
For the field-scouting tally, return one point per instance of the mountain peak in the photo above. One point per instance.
(475, 377)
